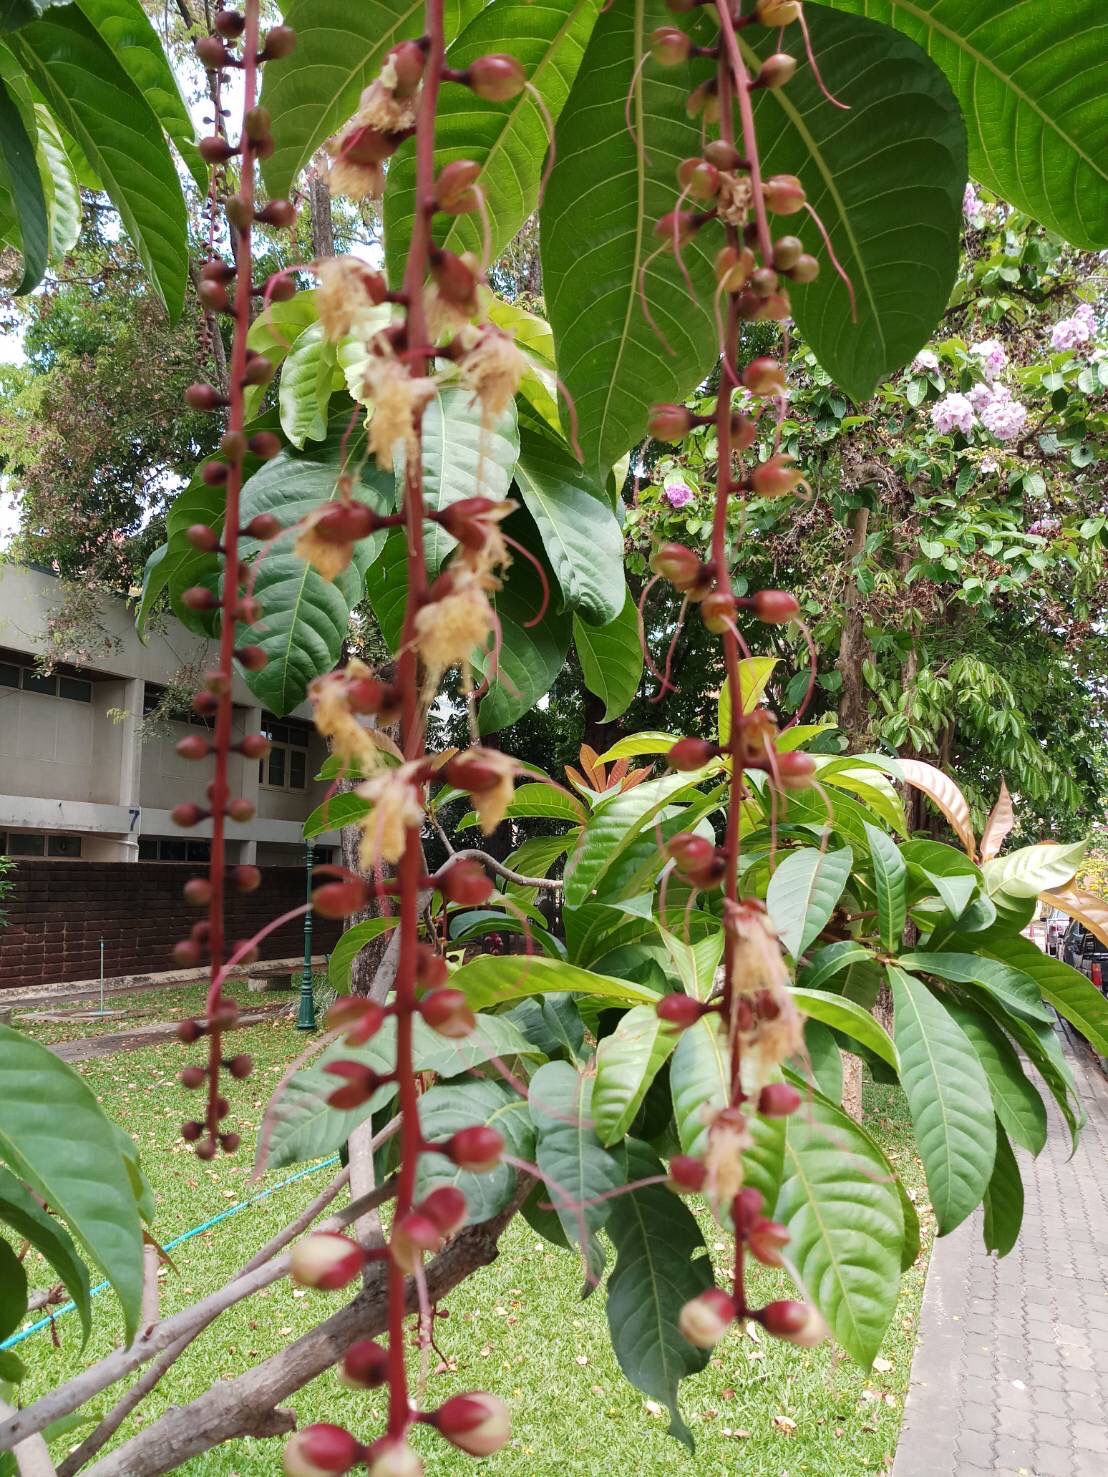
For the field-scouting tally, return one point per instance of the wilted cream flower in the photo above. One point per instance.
(349, 739)
(355, 181)
(449, 629)
(398, 401)
(492, 366)
(380, 108)
(756, 960)
(734, 199)
(347, 298)
(396, 803)
(729, 1138)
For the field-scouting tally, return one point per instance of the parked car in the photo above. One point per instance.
(1055, 924)
(1082, 949)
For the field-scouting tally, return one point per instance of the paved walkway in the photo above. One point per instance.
(1010, 1378)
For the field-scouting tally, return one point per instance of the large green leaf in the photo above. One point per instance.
(462, 457)
(536, 800)
(611, 830)
(754, 675)
(1032, 80)
(95, 99)
(492, 979)
(54, 1136)
(508, 140)
(576, 524)
(137, 47)
(840, 1202)
(1003, 1199)
(627, 1061)
(1033, 869)
(1011, 985)
(16, 13)
(19, 176)
(530, 656)
(1070, 993)
(21, 1211)
(13, 1290)
(604, 197)
(661, 1264)
(1040, 1042)
(948, 1098)
(890, 881)
(339, 51)
(445, 1110)
(305, 618)
(886, 179)
(577, 1169)
(844, 1015)
(830, 961)
(699, 1081)
(59, 186)
(349, 946)
(803, 892)
(305, 389)
(611, 658)
(1016, 1101)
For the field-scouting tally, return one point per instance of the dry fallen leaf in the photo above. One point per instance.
(739, 1432)
(652, 1408)
(784, 1423)
(882, 1366)
(582, 1359)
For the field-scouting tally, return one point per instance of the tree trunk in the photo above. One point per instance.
(853, 646)
(323, 234)
(852, 1085)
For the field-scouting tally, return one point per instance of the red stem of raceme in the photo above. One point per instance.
(412, 718)
(220, 792)
(746, 117)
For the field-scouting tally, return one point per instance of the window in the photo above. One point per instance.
(285, 767)
(173, 849)
(24, 844)
(33, 843)
(55, 685)
(63, 846)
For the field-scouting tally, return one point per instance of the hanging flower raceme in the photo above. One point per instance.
(348, 298)
(397, 400)
(338, 699)
(397, 805)
(386, 116)
(491, 366)
(329, 533)
(488, 777)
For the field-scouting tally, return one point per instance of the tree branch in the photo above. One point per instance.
(244, 1405)
(473, 853)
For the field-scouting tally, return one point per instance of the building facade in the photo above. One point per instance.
(87, 782)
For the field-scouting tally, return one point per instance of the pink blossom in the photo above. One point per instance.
(1071, 333)
(993, 358)
(989, 464)
(953, 412)
(678, 495)
(1003, 416)
(1085, 312)
(979, 397)
(971, 204)
(925, 360)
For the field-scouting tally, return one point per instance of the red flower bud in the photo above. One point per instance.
(241, 810)
(364, 1018)
(340, 899)
(215, 150)
(464, 882)
(804, 269)
(670, 46)
(747, 1207)
(697, 859)
(784, 194)
(263, 527)
(193, 746)
(229, 23)
(777, 476)
(795, 770)
(677, 227)
(787, 251)
(279, 42)
(365, 1365)
(391, 1458)
(733, 267)
(775, 13)
(325, 1260)
(795, 1322)
(412, 1236)
(669, 423)
(265, 445)
(477, 1148)
(677, 1010)
(478, 1424)
(776, 70)
(776, 606)
(193, 1077)
(321, 1450)
(448, 1013)
(454, 192)
(688, 754)
(496, 78)
(778, 1100)
(677, 564)
(345, 522)
(187, 814)
(198, 892)
(475, 770)
(717, 611)
(200, 536)
(211, 51)
(246, 878)
(361, 1083)
(454, 278)
(766, 1240)
(699, 179)
(706, 1318)
(446, 1208)
(764, 376)
(240, 1066)
(204, 397)
(687, 1174)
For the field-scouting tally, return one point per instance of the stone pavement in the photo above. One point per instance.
(1010, 1378)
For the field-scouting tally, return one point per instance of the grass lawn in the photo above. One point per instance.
(517, 1328)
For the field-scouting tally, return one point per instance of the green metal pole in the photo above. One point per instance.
(305, 1018)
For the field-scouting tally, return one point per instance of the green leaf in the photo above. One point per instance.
(19, 175)
(306, 618)
(305, 389)
(627, 1062)
(577, 526)
(839, 1201)
(445, 1110)
(844, 1015)
(611, 658)
(1003, 1199)
(138, 48)
(59, 187)
(886, 178)
(533, 801)
(508, 140)
(611, 830)
(349, 946)
(534, 859)
(754, 675)
(948, 1098)
(831, 960)
(661, 1264)
(13, 1290)
(54, 1136)
(1040, 1043)
(575, 1166)
(803, 892)
(91, 94)
(1036, 122)
(1070, 993)
(822, 1063)
(531, 655)
(890, 876)
(491, 980)
(699, 1080)
(638, 744)
(21, 1211)
(345, 809)
(16, 13)
(1012, 986)
(602, 202)
(1016, 1101)
(1033, 869)
(339, 51)
(462, 457)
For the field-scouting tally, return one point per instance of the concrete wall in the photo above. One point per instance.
(58, 911)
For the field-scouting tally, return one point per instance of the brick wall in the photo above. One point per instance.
(57, 912)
